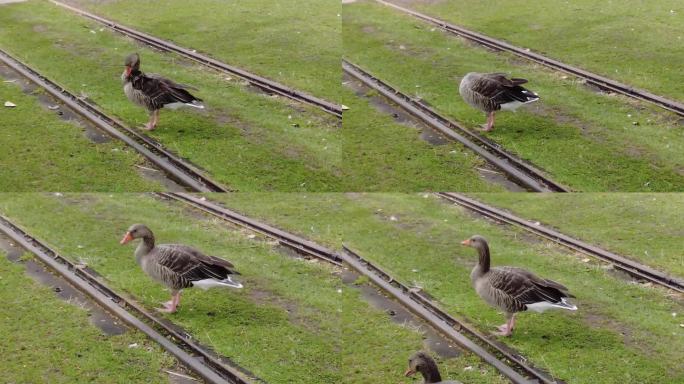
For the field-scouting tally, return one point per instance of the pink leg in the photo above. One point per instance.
(156, 119)
(490, 122)
(506, 329)
(150, 124)
(170, 306)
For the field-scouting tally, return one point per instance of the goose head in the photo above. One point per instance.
(476, 241)
(136, 231)
(423, 363)
(132, 64)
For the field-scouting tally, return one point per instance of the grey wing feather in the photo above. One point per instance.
(191, 264)
(522, 287)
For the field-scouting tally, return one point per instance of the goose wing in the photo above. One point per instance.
(191, 264)
(162, 91)
(523, 287)
(499, 89)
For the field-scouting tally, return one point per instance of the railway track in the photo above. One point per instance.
(506, 360)
(199, 359)
(177, 168)
(633, 268)
(262, 83)
(591, 78)
(516, 169)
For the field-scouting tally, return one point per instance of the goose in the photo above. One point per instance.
(178, 266)
(423, 363)
(154, 92)
(490, 92)
(513, 289)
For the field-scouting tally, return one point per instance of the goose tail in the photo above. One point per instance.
(210, 283)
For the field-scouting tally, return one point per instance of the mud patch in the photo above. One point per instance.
(596, 320)
(290, 307)
(108, 324)
(398, 314)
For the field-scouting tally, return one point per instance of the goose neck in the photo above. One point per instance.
(484, 261)
(431, 374)
(144, 247)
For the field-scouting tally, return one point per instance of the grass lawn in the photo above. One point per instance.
(381, 154)
(294, 42)
(645, 227)
(42, 152)
(636, 42)
(416, 238)
(48, 340)
(244, 139)
(589, 141)
(295, 321)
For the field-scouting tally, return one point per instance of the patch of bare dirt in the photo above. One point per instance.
(260, 296)
(597, 320)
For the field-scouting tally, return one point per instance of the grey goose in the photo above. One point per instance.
(154, 92)
(178, 266)
(491, 92)
(512, 289)
(423, 363)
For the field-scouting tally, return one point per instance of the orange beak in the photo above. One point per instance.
(466, 242)
(409, 372)
(127, 237)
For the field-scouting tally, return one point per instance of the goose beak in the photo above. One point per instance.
(127, 237)
(409, 372)
(466, 242)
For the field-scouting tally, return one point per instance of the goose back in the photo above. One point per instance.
(178, 266)
(490, 92)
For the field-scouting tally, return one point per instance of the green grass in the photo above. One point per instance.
(601, 37)
(416, 238)
(644, 227)
(383, 155)
(244, 139)
(42, 152)
(295, 42)
(47, 340)
(295, 321)
(583, 139)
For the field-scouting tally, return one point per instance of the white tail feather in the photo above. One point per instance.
(210, 283)
(179, 105)
(544, 305)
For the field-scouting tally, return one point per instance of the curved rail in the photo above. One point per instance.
(205, 363)
(632, 267)
(258, 81)
(173, 165)
(506, 360)
(515, 168)
(591, 78)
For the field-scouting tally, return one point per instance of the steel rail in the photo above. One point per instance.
(174, 166)
(258, 81)
(297, 243)
(515, 168)
(416, 302)
(209, 365)
(632, 267)
(592, 78)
